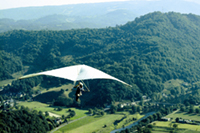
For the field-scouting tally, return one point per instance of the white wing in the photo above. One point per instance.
(76, 73)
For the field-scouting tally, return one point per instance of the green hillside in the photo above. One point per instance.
(145, 53)
(9, 65)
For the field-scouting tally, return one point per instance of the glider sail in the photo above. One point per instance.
(76, 73)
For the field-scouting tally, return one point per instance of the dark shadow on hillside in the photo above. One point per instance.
(48, 85)
(120, 113)
(186, 113)
(47, 97)
(87, 113)
(178, 112)
(72, 94)
(97, 116)
(191, 114)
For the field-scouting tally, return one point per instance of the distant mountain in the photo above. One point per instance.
(95, 15)
(138, 7)
(65, 22)
(145, 53)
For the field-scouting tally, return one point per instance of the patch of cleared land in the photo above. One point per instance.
(9, 81)
(180, 125)
(45, 107)
(53, 115)
(97, 123)
(164, 125)
(184, 115)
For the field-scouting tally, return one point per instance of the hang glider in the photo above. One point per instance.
(76, 73)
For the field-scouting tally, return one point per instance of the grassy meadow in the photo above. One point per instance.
(171, 84)
(167, 130)
(184, 115)
(164, 126)
(5, 82)
(45, 107)
(87, 124)
(180, 125)
(97, 123)
(9, 81)
(64, 87)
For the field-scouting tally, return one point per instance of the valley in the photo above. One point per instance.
(157, 54)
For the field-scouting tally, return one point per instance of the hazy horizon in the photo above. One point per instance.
(9, 4)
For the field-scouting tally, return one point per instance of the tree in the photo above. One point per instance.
(150, 126)
(46, 113)
(102, 113)
(134, 109)
(197, 110)
(63, 117)
(127, 130)
(40, 113)
(1, 99)
(155, 116)
(90, 111)
(175, 125)
(151, 118)
(59, 109)
(187, 103)
(191, 110)
(170, 124)
(23, 120)
(182, 109)
(177, 119)
(62, 91)
(147, 130)
(142, 102)
(147, 121)
(113, 109)
(72, 113)
(138, 108)
(159, 115)
(139, 129)
(145, 109)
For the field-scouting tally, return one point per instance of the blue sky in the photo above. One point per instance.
(6, 4)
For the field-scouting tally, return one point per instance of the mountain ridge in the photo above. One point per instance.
(92, 15)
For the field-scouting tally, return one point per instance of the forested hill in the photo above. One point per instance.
(145, 52)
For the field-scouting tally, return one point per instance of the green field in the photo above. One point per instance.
(45, 107)
(5, 82)
(171, 84)
(9, 81)
(167, 130)
(87, 124)
(160, 130)
(97, 123)
(180, 125)
(164, 126)
(129, 116)
(68, 86)
(184, 115)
